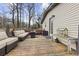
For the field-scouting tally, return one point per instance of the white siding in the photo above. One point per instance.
(46, 22)
(66, 15)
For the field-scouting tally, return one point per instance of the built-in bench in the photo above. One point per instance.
(62, 36)
(21, 34)
(70, 42)
(7, 44)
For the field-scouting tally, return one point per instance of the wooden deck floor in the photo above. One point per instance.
(39, 46)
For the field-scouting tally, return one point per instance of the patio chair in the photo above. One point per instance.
(2, 48)
(21, 34)
(7, 43)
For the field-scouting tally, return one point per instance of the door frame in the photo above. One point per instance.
(51, 19)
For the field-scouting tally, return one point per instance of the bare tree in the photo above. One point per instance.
(12, 11)
(21, 12)
(17, 10)
(38, 22)
(30, 9)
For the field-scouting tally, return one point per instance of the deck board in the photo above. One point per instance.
(39, 46)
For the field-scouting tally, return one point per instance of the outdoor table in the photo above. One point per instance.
(32, 34)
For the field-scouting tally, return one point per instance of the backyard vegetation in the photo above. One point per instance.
(20, 15)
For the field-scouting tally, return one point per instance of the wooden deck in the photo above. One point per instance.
(39, 46)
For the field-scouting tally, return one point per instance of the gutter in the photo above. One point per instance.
(50, 7)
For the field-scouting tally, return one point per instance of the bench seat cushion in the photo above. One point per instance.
(23, 35)
(2, 44)
(18, 32)
(3, 36)
(11, 40)
(22, 31)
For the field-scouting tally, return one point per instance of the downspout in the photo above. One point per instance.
(77, 43)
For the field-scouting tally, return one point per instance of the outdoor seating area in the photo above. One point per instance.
(8, 43)
(21, 34)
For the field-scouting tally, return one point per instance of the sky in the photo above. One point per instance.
(39, 7)
(4, 9)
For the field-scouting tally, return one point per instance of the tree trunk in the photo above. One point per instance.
(13, 17)
(13, 14)
(20, 16)
(17, 17)
(29, 19)
(29, 22)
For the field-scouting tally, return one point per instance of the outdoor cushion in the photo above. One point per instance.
(2, 44)
(11, 40)
(22, 31)
(23, 35)
(18, 32)
(3, 36)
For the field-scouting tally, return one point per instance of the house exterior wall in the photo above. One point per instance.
(66, 16)
(46, 23)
